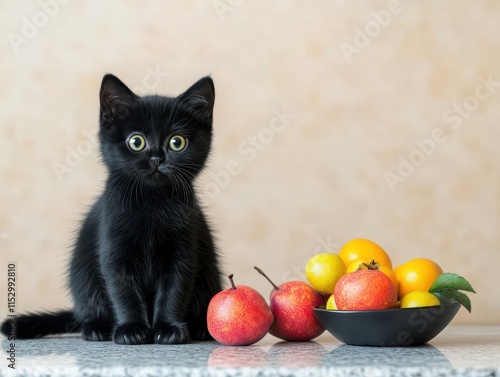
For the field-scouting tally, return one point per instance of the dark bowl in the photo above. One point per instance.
(389, 327)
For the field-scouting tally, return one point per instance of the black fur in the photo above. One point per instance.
(144, 266)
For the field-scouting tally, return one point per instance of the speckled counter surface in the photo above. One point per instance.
(457, 351)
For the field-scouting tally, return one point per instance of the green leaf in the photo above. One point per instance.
(450, 296)
(449, 280)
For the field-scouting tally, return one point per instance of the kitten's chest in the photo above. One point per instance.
(152, 223)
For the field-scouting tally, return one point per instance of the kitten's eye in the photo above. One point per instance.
(177, 143)
(137, 143)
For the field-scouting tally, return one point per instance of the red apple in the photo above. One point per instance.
(365, 290)
(292, 305)
(238, 316)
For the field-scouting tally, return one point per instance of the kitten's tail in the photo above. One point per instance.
(35, 325)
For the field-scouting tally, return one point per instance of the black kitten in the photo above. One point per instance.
(144, 266)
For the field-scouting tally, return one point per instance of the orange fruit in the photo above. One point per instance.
(416, 275)
(365, 250)
(358, 263)
(418, 299)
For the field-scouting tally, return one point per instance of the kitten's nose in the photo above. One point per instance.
(155, 161)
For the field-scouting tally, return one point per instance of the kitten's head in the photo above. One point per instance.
(159, 140)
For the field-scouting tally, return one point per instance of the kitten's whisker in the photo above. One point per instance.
(184, 183)
(141, 178)
(133, 187)
(113, 183)
(126, 187)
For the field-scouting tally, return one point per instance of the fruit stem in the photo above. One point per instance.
(230, 277)
(269, 280)
(371, 266)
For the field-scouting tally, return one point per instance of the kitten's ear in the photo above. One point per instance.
(115, 97)
(200, 97)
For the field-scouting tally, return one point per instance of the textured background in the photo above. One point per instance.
(347, 165)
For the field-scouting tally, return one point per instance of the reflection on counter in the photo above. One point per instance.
(457, 351)
(348, 356)
(237, 356)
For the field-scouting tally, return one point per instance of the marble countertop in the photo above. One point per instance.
(457, 351)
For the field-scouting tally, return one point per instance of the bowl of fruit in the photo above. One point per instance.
(389, 327)
(372, 304)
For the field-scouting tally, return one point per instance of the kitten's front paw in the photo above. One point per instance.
(132, 333)
(96, 331)
(171, 333)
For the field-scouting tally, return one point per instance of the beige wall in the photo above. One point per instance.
(319, 182)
